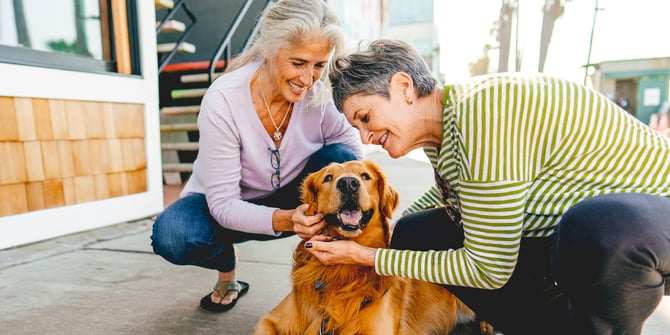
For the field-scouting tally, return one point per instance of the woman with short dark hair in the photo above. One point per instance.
(550, 212)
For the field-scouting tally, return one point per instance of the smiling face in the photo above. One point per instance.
(382, 121)
(400, 122)
(295, 69)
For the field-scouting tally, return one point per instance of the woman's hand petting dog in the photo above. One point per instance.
(306, 226)
(330, 251)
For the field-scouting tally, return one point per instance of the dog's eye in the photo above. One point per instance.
(365, 176)
(328, 178)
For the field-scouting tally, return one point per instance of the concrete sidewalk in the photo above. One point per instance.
(108, 281)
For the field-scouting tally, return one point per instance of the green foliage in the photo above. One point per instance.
(63, 46)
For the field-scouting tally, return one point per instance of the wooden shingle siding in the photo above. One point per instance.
(56, 152)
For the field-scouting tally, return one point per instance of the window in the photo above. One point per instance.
(68, 34)
(423, 46)
(407, 12)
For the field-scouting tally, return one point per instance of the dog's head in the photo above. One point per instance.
(354, 198)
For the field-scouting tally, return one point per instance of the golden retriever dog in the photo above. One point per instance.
(357, 203)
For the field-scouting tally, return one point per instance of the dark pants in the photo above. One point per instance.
(186, 234)
(603, 272)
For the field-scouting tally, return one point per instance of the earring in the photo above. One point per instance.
(409, 101)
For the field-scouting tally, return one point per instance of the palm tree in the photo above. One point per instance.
(22, 33)
(553, 9)
(80, 27)
(508, 13)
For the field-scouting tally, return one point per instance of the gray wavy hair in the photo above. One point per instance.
(288, 22)
(369, 72)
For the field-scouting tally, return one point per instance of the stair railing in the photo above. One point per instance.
(224, 45)
(181, 4)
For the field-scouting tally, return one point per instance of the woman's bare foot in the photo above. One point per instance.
(229, 295)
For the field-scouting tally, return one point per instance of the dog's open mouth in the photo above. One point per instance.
(350, 217)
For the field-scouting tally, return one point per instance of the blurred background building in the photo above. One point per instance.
(411, 21)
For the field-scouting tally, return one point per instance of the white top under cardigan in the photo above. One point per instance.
(233, 163)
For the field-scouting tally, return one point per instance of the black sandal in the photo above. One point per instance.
(222, 287)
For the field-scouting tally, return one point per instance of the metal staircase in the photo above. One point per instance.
(182, 85)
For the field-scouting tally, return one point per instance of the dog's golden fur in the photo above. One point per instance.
(357, 202)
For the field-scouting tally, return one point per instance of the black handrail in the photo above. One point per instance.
(225, 42)
(249, 39)
(172, 12)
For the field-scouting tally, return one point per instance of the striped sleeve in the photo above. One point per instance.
(494, 212)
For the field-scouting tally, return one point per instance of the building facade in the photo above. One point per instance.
(643, 83)
(79, 125)
(360, 20)
(413, 22)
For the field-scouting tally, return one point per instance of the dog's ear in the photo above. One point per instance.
(389, 198)
(308, 193)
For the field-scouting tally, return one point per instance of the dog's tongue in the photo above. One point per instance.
(351, 216)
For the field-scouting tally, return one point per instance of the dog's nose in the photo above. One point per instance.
(348, 184)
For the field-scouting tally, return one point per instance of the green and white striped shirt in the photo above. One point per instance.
(519, 151)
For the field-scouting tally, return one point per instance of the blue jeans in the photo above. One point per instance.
(604, 271)
(186, 234)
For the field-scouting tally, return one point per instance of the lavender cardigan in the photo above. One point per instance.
(233, 163)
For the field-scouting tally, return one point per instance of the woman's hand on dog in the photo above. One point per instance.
(306, 226)
(330, 251)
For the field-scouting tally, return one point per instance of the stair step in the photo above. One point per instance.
(164, 4)
(184, 47)
(182, 146)
(172, 26)
(178, 167)
(195, 66)
(188, 93)
(180, 110)
(179, 127)
(198, 77)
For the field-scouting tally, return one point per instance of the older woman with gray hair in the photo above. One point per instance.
(550, 212)
(264, 125)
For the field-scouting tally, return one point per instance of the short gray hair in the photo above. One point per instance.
(369, 72)
(288, 22)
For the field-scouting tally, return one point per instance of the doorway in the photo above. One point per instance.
(626, 94)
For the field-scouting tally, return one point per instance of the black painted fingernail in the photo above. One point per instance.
(308, 245)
